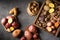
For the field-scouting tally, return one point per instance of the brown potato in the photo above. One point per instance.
(46, 8)
(13, 11)
(16, 33)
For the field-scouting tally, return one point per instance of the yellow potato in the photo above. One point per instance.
(10, 20)
(51, 10)
(49, 29)
(11, 28)
(8, 30)
(13, 11)
(51, 5)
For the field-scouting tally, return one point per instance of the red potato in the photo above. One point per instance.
(52, 27)
(23, 38)
(28, 35)
(10, 20)
(15, 24)
(7, 25)
(53, 21)
(8, 17)
(54, 31)
(35, 36)
(49, 24)
(32, 28)
(3, 21)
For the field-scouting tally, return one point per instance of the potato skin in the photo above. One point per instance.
(3, 21)
(28, 35)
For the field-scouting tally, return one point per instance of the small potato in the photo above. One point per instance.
(10, 20)
(32, 7)
(35, 36)
(56, 24)
(28, 35)
(49, 29)
(51, 10)
(33, 11)
(11, 28)
(3, 21)
(32, 28)
(54, 31)
(23, 38)
(13, 11)
(46, 8)
(16, 33)
(52, 27)
(44, 12)
(51, 5)
(34, 4)
(8, 30)
(53, 21)
(49, 24)
(47, 2)
(15, 24)
(7, 25)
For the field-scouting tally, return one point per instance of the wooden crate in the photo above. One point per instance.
(57, 32)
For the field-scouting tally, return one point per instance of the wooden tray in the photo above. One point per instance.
(56, 34)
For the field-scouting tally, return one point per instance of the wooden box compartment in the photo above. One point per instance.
(44, 20)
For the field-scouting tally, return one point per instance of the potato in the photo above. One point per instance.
(28, 35)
